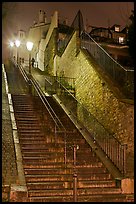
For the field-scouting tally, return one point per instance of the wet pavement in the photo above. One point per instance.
(9, 168)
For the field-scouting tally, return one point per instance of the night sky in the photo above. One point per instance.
(21, 15)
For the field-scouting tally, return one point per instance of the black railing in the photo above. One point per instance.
(114, 150)
(51, 84)
(123, 77)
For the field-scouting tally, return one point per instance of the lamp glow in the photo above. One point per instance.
(11, 44)
(17, 42)
(29, 46)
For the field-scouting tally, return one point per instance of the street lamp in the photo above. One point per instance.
(17, 43)
(29, 46)
(11, 44)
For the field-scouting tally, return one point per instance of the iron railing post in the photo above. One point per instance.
(75, 147)
(65, 149)
(124, 158)
(75, 186)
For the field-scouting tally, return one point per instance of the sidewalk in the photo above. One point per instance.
(9, 168)
(37, 74)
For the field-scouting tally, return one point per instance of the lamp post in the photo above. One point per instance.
(17, 43)
(29, 46)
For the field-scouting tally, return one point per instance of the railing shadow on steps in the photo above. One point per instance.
(114, 150)
(123, 77)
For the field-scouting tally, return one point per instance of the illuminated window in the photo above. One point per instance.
(121, 40)
(116, 28)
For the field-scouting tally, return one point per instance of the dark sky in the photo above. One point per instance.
(21, 15)
(97, 13)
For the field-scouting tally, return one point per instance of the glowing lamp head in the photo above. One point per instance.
(11, 44)
(29, 46)
(17, 43)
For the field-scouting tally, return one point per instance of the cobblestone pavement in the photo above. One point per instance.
(9, 168)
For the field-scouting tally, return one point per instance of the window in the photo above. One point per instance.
(121, 40)
(116, 28)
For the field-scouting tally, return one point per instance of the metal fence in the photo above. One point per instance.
(51, 84)
(106, 140)
(123, 77)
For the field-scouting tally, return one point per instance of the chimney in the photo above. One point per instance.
(41, 16)
(45, 18)
(66, 21)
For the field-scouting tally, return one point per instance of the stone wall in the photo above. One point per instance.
(96, 94)
(51, 52)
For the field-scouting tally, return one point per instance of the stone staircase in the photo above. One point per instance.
(48, 158)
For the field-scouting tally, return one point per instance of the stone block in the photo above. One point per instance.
(18, 193)
(127, 186)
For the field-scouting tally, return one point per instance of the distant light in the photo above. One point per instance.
(17, 42)
(11, 44)
(121, 40)
(29, 46)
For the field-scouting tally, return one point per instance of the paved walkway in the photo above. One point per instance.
(9, 168)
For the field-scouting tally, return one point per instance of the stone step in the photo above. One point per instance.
(24, 108)
(85, 171)
(21, 111)
(27, 124)
(65, 177)
(33, 138)
(46, 185)
(116, 197)
(29, 131)
(33, 134)
(55, 154)
(26, 117)
(61, 192)
(23, 102)
(29, 127)
(48, 178)
(43, 148)
(57, 139)
(81, 177)
(45, 140)
(69, 184)
(82, 198)
(52, 199)
(23, 119)
(49, 158)
(82, 147)
(58, 165)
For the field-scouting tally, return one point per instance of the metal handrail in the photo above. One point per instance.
(122, 76)
(59, 127)
(114, 150)
(55, 118)
(32, 80)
